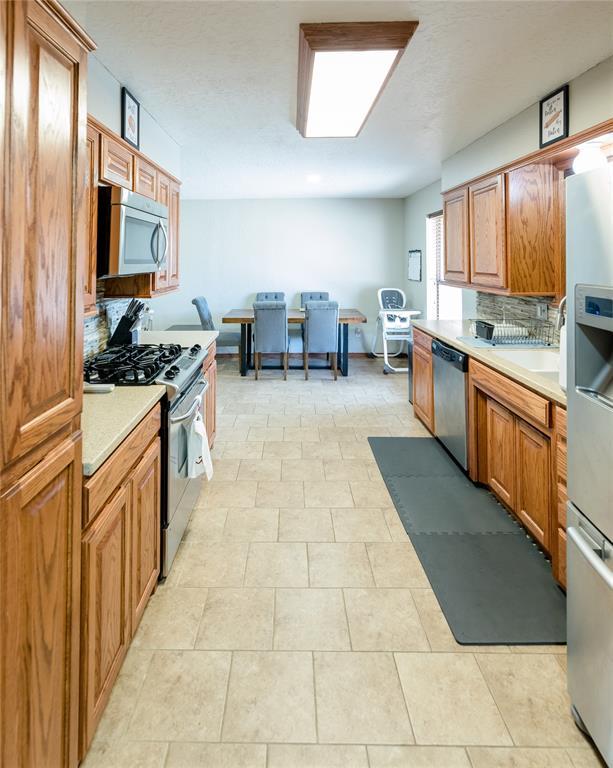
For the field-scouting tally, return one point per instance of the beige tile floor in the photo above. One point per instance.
(297, 628)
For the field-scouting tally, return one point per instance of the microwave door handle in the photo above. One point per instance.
(165, 233)
(154, 244)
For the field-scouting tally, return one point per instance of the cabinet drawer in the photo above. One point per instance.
(561, 422)
(529, 405)
(115, 469)
(210, 358)
(117, 163)
(421, 339)
(145, 178)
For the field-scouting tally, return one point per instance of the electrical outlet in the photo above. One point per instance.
(541, 310)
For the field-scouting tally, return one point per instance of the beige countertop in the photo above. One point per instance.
(107, 419)
(184, 338)
(449, 331)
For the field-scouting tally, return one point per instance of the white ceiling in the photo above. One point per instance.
(220, 77)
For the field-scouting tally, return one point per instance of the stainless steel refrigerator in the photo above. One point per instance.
(589, 265)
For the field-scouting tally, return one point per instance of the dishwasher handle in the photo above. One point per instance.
(450, 355)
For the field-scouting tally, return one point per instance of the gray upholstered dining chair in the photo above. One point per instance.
(321, 332)
(225, 338)
(313, 296)
(270, 332)
(270, 296)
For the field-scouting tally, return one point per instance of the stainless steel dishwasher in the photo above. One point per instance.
(450, 372)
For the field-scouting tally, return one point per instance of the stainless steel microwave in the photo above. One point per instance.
(132, 233)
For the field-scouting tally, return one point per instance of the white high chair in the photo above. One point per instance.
(394, 323)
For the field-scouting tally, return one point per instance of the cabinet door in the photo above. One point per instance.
(39, 605)
(487, 233)
(91, 207)
(173, 234)
(43, 233)
(160, 279)
(146, 511)
(116, 163)
(211, 402)
(533, 482)
(455, 224)
(145, 178)
(106, 608)
(423, 392)
(501, 452)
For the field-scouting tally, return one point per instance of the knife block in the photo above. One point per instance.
(123, 334)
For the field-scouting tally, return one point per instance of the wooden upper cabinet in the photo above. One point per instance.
(39, 605)
(533, 481)
(91, 206)
(105, 608)
(535, 229)
(145, 178)
(160, 279)
(173, 234)
(146, 515)
(501, 452)
(487, 233)
(44, 233)
(116, 163)
(455, 222)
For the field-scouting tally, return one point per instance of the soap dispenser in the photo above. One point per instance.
(561, 326)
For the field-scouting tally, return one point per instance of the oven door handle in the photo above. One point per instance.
(194, 408)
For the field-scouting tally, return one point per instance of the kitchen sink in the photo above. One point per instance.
(543, 360)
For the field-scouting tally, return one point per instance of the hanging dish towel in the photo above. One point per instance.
(199, 460)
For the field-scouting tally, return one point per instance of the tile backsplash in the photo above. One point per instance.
(491, 306)
(98, 328)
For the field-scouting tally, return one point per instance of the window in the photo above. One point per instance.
(443, 302)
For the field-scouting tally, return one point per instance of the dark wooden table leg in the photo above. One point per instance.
(345, 350)
(242, 353)
(249, 363)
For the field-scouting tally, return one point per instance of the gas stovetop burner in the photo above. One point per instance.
(131, 364)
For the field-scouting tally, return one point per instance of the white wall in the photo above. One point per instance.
(104, 103)
(230, 249)
(416, 209)
(590, 103)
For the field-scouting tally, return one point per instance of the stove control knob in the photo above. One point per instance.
(194, 350)
(170, 374)
(174, 368)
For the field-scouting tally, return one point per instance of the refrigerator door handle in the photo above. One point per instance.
(590, 556)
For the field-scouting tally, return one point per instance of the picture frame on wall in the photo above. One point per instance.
(414, 267)
(553, 117)
(130, 118)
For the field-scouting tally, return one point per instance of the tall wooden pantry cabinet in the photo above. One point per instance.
(43, 73)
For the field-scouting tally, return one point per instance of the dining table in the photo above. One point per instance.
(245, 318)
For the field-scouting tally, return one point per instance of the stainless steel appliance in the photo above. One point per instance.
(450, 372)
(180, 371)
(589, 266)
(132, 233)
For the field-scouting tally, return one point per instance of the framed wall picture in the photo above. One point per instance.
(130, 118)
(414, 269)
(553, 116)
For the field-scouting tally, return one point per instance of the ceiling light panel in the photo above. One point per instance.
(343, 68)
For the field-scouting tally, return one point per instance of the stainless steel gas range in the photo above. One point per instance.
(180, 371)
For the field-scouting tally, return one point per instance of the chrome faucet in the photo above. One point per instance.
(561, 313)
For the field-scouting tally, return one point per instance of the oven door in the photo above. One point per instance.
(182, 492)
(138, 243)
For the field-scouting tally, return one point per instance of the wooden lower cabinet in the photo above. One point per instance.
(533, 468)
(39, 605)
(145, 523)
(120, 564)
(423, 386)
(106, 616)
(501, 451)
(558, 553)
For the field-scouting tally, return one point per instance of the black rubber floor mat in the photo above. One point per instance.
(448, 505)
(493, 583)
(412, 457)
(493, 589)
